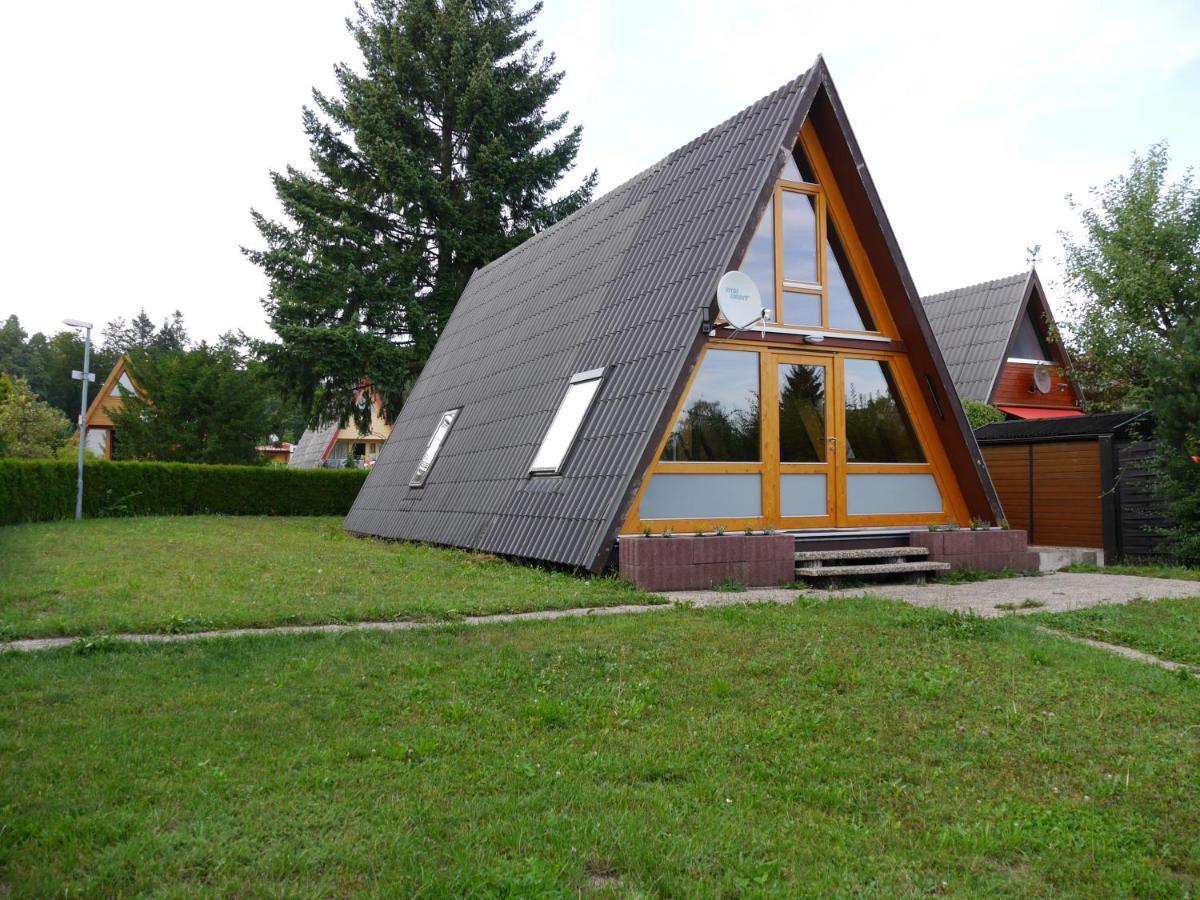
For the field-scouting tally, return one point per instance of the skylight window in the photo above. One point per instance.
(564, 428)
(434, 447)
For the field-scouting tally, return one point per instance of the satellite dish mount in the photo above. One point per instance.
(740, 303)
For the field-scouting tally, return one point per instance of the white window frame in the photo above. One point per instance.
(568, 420)
(436, 441)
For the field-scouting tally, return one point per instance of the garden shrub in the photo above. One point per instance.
(40, 490)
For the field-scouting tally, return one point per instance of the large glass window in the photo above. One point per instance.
(878, 429)
(565, 425)
(720, 421)
(799, 261)
(759, 263)
(801, 414)
(847, 306)
(799, 237)
(434, 447)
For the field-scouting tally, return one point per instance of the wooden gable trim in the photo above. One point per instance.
(1035, 295)
(832, 127)
(691, 357)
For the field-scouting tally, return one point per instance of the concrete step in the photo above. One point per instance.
(860, 553)
(903, 568)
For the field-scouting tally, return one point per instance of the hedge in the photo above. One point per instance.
(35, 490)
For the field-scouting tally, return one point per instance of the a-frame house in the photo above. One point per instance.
(584, 387)
(101, 432)
(1001, 346)
(336, 446)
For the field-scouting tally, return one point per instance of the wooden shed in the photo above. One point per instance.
(1082, 481)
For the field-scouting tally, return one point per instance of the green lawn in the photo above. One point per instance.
(855, 747)
(193, 573)
(1147, 571)
(1169, 629)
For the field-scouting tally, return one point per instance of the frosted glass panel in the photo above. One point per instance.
(892, 494)
(671, 496)
(802, 495)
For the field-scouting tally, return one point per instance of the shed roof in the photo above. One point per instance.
(1053, 429)
(973, 326)
(624, 284)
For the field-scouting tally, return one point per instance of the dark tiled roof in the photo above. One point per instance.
(311, 447)
(624, 283)
(972, 325)
(1067, 427)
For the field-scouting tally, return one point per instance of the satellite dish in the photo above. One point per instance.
(738, 300)
(1041, 380)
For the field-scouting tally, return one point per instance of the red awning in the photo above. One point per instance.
(1040, 412)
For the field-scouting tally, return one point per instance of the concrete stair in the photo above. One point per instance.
(876, 563)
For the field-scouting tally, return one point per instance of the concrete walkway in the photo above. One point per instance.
(1059, 592)
(1055, 592)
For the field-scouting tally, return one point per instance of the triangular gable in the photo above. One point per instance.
(316, 444)
(626, 285)
(111, 394)
(978, 328)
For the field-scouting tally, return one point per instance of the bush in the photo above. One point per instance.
(38, 490)
(980, 414)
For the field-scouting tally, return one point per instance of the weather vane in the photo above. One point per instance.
(1031, 254)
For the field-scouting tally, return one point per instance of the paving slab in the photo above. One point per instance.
(1060, 592)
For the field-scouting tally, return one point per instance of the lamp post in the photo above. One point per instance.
(85, 376)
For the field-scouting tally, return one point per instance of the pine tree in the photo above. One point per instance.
(435, 159)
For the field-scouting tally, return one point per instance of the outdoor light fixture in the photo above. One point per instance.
(85, 376)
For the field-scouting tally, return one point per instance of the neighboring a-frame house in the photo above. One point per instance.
(100, 429)
(335, 447)
(1000, 347)
(584, 387)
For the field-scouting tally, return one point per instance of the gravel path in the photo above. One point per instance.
(1058, 592)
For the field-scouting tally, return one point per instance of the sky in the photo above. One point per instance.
(140, 134)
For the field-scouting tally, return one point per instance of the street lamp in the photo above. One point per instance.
(85, 376)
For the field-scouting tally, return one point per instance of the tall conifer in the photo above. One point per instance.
(436, 156)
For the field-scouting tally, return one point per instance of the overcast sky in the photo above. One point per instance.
(139, 134)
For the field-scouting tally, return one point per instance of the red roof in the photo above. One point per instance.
(1040, 412)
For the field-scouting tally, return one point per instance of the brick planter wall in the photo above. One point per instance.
(987, 550)
(690, 563)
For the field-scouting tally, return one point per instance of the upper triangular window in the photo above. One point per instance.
(1029, 343)
(124, 386)
(797, 168)
(847, 306)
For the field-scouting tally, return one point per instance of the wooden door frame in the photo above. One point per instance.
(936, 463)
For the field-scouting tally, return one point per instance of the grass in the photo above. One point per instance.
(1027, 603)
(855, 747)
(1147, 571)
(969, 575)
(1169, 629)
(198, 572)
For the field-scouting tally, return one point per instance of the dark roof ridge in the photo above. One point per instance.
(994, 282)
(795, 84)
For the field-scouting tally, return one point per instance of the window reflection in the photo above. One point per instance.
(801, 413)
(799, 237)
(720, 421)
(847, 306)
(878, 429)
(759, 263)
